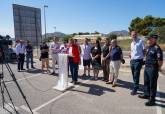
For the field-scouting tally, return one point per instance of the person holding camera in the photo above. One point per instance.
(20, 52)
(116, 57)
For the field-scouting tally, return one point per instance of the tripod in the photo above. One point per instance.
(3, 86)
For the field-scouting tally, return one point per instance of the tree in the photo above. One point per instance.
(145, 25)
(74, 34)
(99, 38)
(80, 33)
(160, 31)
(66, 38)
(96, 32)
(112, 36)
(48, 39)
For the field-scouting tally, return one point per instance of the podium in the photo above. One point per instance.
(63, 83)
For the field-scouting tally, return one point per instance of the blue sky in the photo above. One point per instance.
(71, 16)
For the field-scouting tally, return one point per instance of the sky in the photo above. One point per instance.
(70, 16)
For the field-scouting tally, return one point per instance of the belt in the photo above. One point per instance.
(137, 60)
(151, 66)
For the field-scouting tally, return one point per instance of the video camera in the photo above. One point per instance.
(4, 40)
(4, 45)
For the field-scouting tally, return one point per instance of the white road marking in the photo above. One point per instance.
(25, 78)
(58, 97)
(52, 100)
(3, 111)
(158, 108)
(9, 107)
(28, 110)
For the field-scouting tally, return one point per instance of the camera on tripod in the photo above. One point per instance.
(5, 42)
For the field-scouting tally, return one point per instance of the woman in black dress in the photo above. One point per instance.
(96, 59)
(45, 56)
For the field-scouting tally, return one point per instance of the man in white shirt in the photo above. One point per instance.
(20, 52)
(136, 55)
(55, 48)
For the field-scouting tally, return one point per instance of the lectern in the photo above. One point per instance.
(63, 83)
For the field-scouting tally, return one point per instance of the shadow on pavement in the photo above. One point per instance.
(128, 85)
(34, 71)
(161, 103)
(94, 89)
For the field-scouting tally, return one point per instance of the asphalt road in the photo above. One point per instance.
(89, 97)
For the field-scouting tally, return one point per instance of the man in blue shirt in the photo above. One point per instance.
(137, 55)
(153, 63)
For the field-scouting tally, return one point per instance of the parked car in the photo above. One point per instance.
(10, 54)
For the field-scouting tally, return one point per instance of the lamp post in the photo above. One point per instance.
(54, 31)
(45, 6)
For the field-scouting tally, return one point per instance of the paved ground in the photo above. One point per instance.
(89, 97)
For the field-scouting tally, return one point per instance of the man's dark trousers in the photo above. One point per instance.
(29, 56)
(136, 66)
(21, 61)
(105, 66)
(150, 81)
(74, 70)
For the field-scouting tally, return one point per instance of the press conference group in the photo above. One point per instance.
(107, 58)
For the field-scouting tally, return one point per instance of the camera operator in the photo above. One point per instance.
(20, 52)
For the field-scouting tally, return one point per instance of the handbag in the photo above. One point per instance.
(95, 64)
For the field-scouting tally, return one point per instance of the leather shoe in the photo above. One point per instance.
(133, 92)
(150, 103)
(144, 96)
(109, 82)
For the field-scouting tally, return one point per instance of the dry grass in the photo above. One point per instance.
(125, 44)
(162, 46)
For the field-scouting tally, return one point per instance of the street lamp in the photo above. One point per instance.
(45, 6)
(54, 28)
(54, 31)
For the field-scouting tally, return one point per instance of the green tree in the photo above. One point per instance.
(74, 34)
(48, 39)
(99, 38)
(145, 25)
(80, 33)
(66, 38)
(160, 31)
(112, 36)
